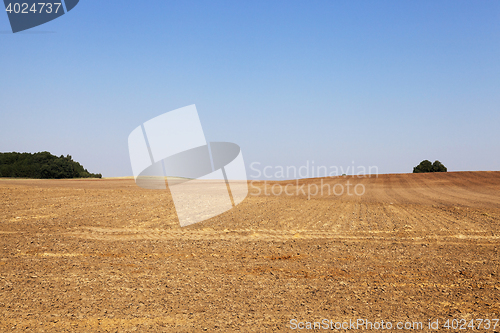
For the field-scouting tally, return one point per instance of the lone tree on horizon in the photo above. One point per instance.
(427, 166)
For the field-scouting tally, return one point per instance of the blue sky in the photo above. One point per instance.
(384, 84)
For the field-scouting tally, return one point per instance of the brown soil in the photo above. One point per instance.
(105, 255)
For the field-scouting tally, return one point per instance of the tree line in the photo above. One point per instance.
(42, 165)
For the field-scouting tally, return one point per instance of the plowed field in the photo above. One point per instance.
(106, 255)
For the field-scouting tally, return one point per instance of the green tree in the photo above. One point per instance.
(438, 167)
(427, 166)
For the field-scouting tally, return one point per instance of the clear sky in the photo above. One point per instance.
(374, 83)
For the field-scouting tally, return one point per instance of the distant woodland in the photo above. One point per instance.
(42, 165)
